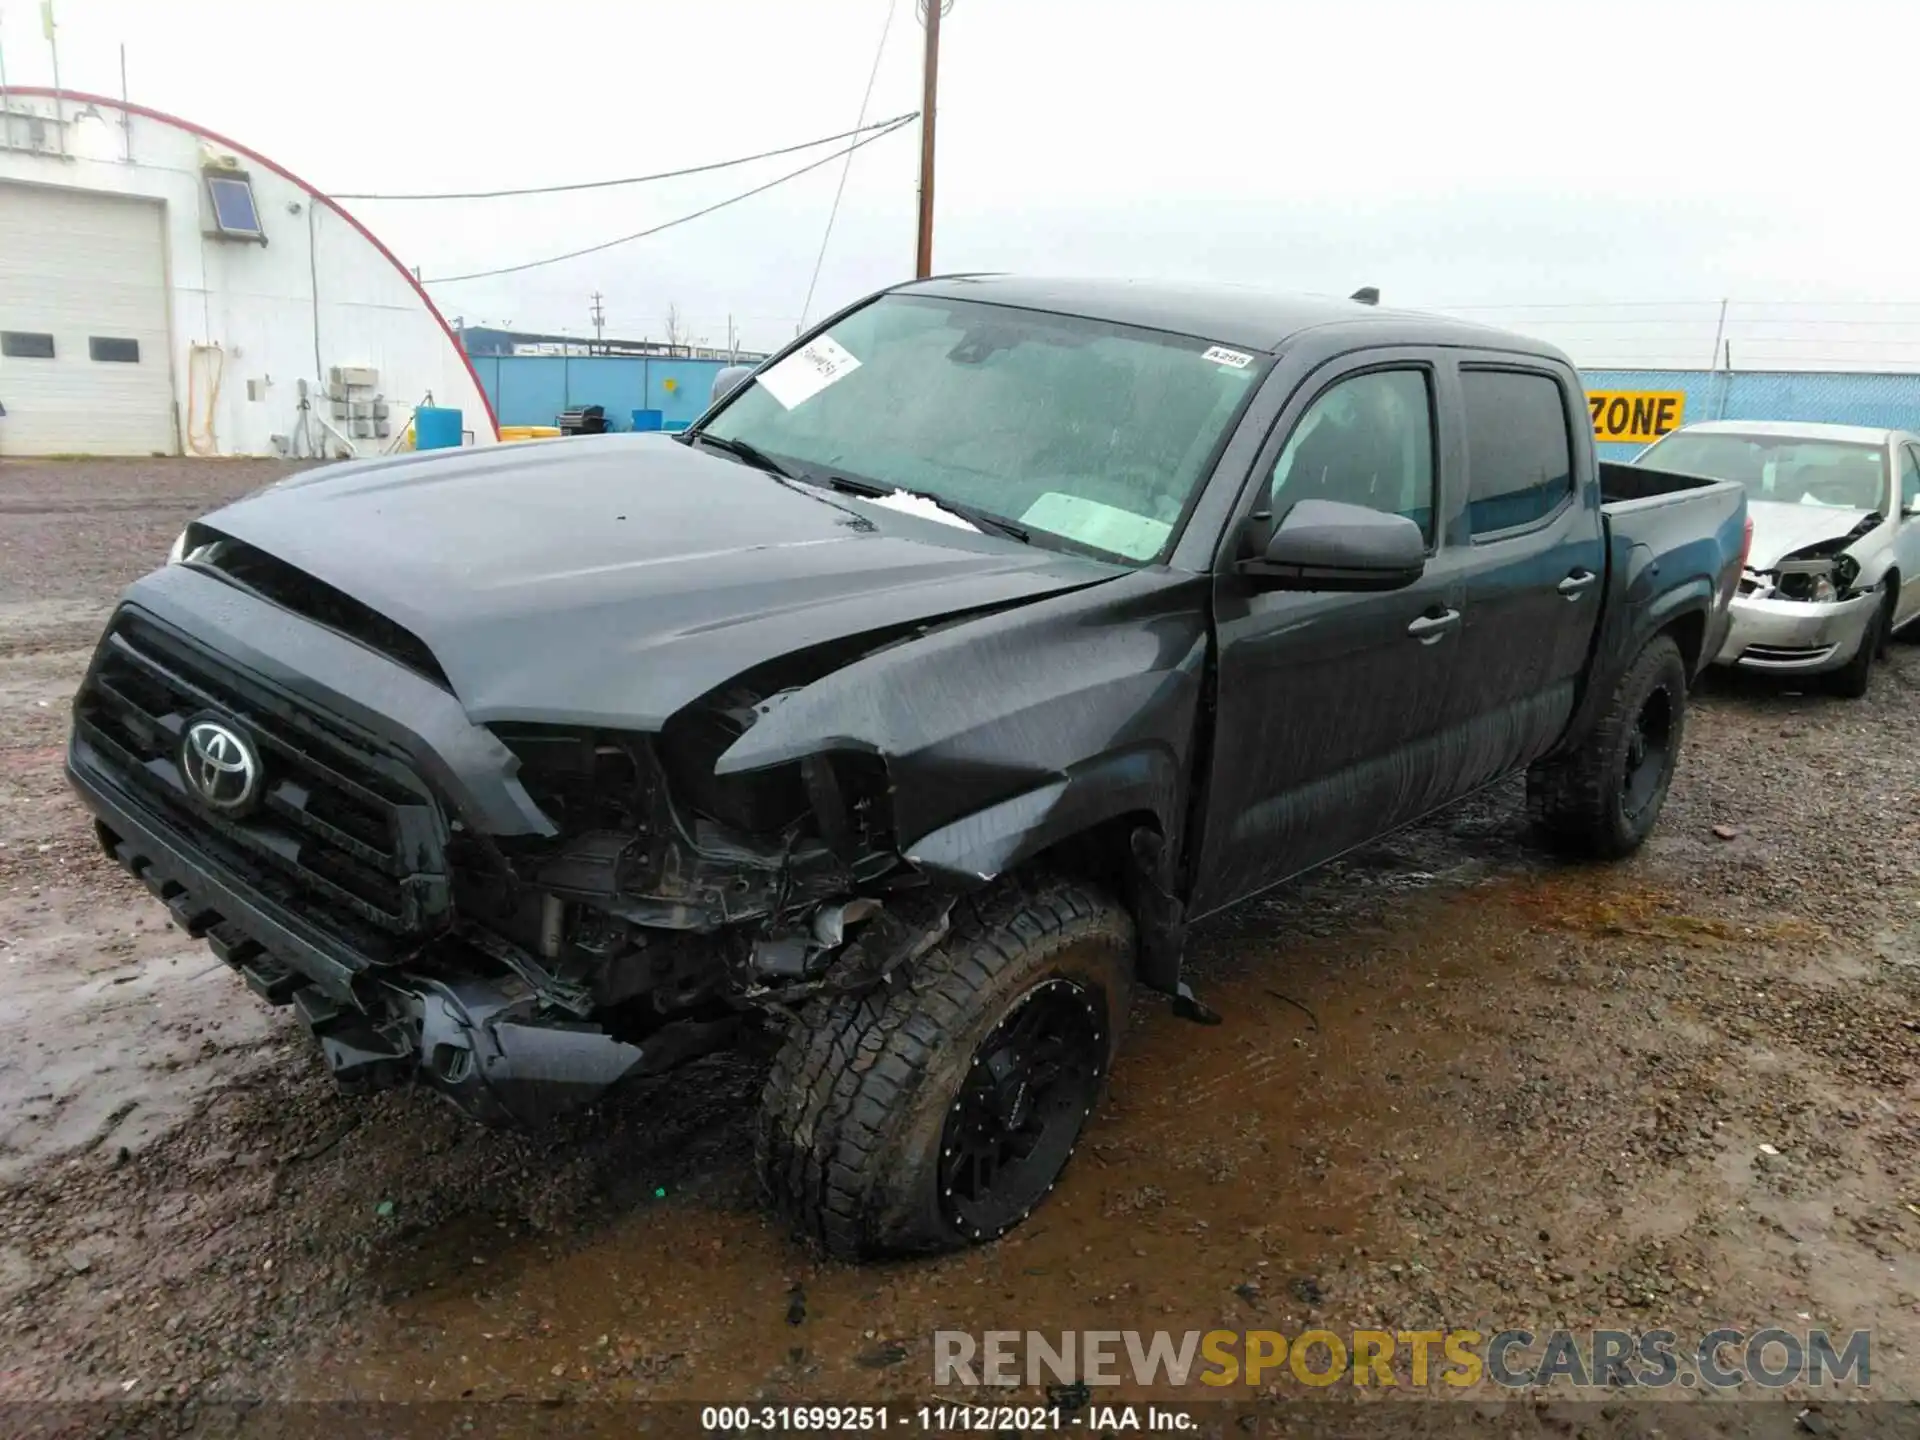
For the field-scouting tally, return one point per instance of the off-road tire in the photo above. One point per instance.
(851, 1119)
(1853, 679)
(1576, 801)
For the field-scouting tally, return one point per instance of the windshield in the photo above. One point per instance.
(1094, 433)
(1837, 474)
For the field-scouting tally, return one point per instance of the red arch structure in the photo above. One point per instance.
(105, 102)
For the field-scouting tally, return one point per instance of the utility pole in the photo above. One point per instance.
(126, 115)
(599, 316)
(1719, 333)
(47, 28)
(930, 83)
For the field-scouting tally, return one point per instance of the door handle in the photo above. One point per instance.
(1575, 585)
(1429, 628)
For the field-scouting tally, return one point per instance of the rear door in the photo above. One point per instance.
(1323, 697)
(1533, 529)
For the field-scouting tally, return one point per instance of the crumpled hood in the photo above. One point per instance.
(613, 579)
(1780, 529)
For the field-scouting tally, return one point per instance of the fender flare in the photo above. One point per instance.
(988, 842)
(1695, 597)
(1641, 622)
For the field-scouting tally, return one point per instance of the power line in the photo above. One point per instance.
(860, 122)
(1655, 342)
(1683, 304)
(880, 125)
(1657, 328)
(1580, 305)
(682, 220)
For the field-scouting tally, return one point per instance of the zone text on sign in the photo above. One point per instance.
(1635, 416)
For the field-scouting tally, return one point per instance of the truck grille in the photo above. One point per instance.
(344, 832)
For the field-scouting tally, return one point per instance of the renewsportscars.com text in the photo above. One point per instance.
(1513, 1359)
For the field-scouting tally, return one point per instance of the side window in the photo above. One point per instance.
(26, 345)
(1367, 441)
(1519, 457)
(1909, 477)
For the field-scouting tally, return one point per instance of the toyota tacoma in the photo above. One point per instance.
(901, 715)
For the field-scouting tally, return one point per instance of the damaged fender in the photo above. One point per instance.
(985, 709)
(987, 843)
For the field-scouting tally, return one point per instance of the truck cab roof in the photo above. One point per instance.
(1246, 317)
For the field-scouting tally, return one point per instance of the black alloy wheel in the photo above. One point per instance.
(1601, 797)
(1030, 1088)
(1649, 755)
(936, 1114)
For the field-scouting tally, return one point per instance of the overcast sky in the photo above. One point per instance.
(1474, 153)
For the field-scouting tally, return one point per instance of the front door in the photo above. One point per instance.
(1323, 697)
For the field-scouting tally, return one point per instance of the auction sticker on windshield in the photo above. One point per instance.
(809, 370)
(1220, 355)
(1635, 417)
(1105, 527)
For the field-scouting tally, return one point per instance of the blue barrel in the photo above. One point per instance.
(436, 428)
(646, 419)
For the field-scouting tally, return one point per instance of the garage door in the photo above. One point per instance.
(85, 366)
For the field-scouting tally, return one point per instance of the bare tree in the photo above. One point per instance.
(676, 327)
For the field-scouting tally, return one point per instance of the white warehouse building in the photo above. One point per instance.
(167, 291)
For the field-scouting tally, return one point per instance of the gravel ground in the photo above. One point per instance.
(1456, 1084)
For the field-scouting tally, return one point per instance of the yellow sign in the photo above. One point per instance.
(1635, 417)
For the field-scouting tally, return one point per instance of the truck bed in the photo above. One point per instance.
(1623, 484)
(1669, 536)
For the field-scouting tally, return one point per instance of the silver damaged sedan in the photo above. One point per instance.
(1834, 568)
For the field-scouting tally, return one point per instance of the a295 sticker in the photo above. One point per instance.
(1220, 355)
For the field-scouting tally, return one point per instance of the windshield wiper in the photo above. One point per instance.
(983, 519)
(979, 519)
(741, 450)
(866, 488)
(870, 489)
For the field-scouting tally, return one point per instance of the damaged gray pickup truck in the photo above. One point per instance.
(900, 716)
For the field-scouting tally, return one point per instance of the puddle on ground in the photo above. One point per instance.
(1236, 1178)
(113, 1026)
(1232, 1168)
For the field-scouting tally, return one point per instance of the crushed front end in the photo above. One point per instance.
(1805, 613)
(517, 917)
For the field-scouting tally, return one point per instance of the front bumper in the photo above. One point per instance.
(1796, 636)
(313, 906)
(482, 1042)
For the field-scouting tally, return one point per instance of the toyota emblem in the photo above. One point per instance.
(220, 766)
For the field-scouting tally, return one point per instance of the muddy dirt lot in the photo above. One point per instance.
(1456, 1085)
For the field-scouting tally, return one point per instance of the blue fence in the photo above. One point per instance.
(533, 389)
(1890, 401)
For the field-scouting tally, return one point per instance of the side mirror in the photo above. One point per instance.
(1330, 545)
(727, 381)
